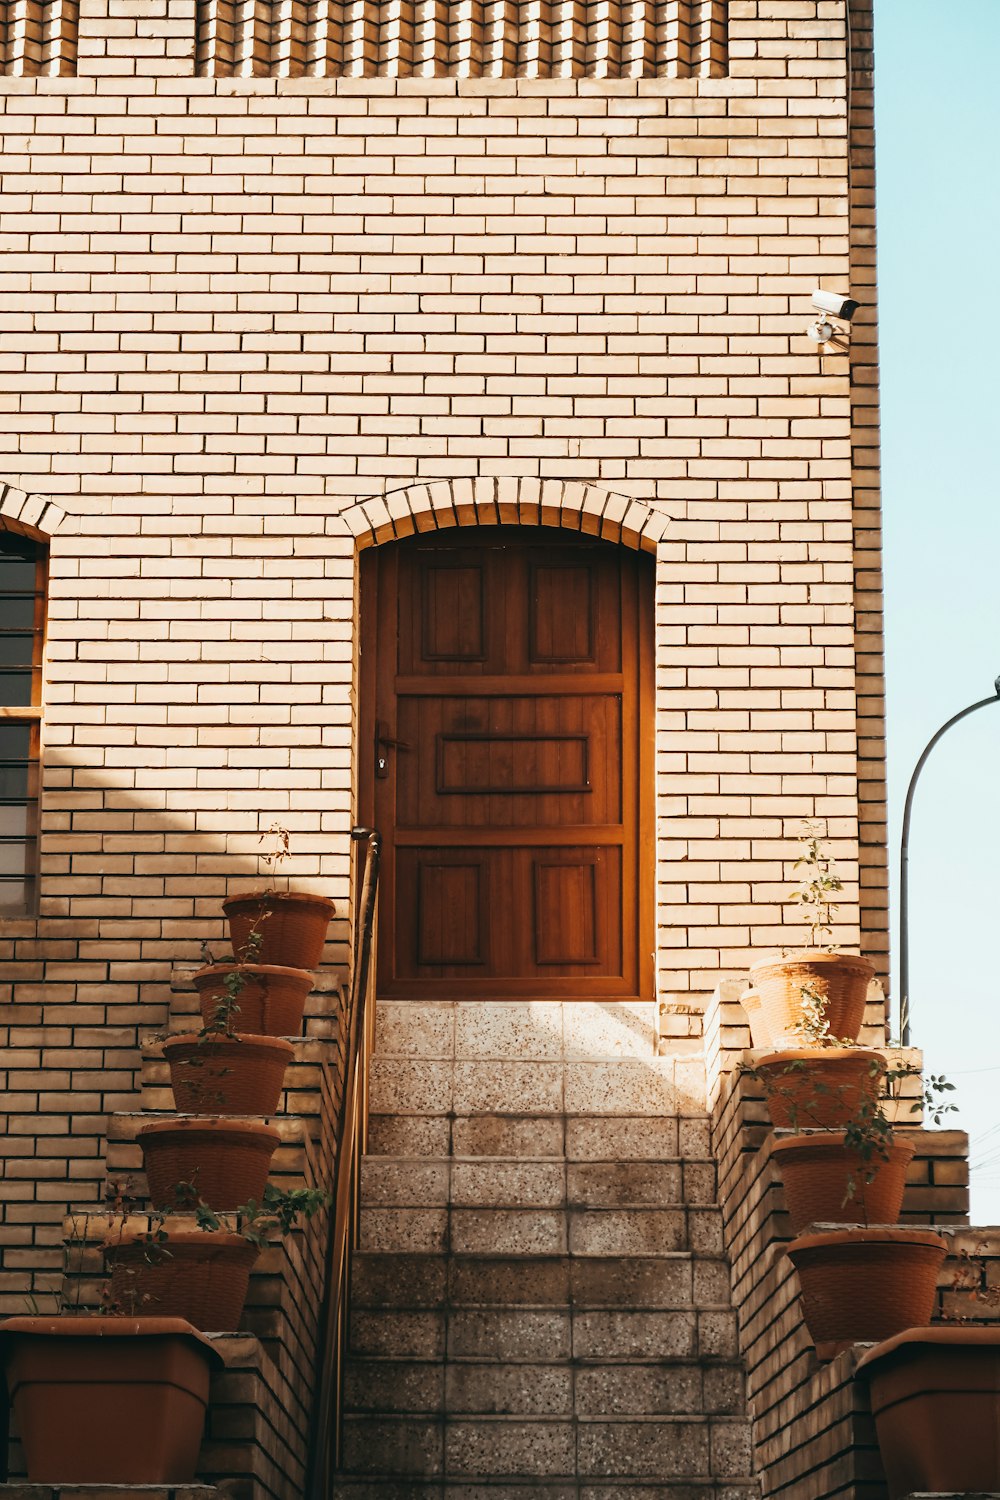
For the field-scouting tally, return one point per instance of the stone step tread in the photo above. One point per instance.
(540, 1190)
(652, 1086)
(526, 1136)
(540, 1334)
(579, 1230)
(679, 1176)
(674, 1278)
(467, 1386)
(687, 1448)
(389, 1487)
(485, 1158)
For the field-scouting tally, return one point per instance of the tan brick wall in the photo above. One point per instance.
(254, 324)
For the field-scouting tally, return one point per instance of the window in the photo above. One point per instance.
(23, 570)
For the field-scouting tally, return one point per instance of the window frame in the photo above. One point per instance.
(26, 544)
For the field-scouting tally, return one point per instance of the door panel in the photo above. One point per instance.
(507, 675)
(508, 762)
(502, 915)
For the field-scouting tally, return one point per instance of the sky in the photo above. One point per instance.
(937, 124)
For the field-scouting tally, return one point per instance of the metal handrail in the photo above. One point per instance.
(351, 1139)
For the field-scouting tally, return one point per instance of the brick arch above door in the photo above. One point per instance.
(34, 516)
(445, 503)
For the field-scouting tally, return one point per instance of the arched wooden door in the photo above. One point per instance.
(506, 741)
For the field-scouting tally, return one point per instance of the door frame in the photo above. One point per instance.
(371, 578)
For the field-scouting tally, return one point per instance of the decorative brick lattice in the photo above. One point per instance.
(463, 38)
(39, 37)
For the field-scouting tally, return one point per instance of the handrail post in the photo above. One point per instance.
(904, 859)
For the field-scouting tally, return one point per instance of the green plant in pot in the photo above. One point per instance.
(839, 979)
(229, 1158)
(221, 1074)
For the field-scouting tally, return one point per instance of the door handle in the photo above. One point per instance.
(384, 743)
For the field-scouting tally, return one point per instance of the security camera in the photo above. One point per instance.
(832, 302)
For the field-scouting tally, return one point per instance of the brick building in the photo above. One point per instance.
(334, 330)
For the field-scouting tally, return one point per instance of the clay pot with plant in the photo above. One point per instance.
(219, 1074)
(247, 998)
(823, 1083)
(855, 1173)
(108, 1396)
(934, 1390)
(847, 1168)
(860, 1284)
(838, 980)
(871, 1278)
(202, 1271)
(227, 1160)
(282, 928)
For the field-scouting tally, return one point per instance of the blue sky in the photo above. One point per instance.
(938, 169)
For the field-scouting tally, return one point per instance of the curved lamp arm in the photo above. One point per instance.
(904, 921)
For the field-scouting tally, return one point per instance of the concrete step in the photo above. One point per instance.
(544, 1137)
(387, 1487)
(443, 1229)
(651, 1086)
(676, 1280)
(546, 1334)
(471, 1387)
(689, 1448)
(486, 1181)
(529, 1030)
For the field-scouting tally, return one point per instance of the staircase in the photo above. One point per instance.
(541, 1303)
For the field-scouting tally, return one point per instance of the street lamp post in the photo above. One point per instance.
(904, 916)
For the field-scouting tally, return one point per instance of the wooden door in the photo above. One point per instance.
(505, 758)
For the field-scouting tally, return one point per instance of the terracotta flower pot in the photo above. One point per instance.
(226, 1161)
(759, 1035)
(864, 1284)
(240, 1075)
(935, 1396)
(292, 926)
(270, 1002)
(839, 979)
(108, 1400)
(819, 1088)
(818, 1172)
(203, 1277)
